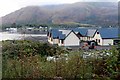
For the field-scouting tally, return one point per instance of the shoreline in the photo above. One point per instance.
(18, 36)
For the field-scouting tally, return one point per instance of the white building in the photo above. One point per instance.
(90, 34)
(53, 36)
(12, 30)
(81, 33)
(70, 39)
(106, 36)
(63, 37)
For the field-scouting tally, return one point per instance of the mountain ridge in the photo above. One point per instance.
(101, 13)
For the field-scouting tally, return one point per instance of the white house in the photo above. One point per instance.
(53, 36)
(103, 36)
(63, 37)
(12, 30)
(106, 36)
(70, 39)
(81, 33)
(90, 34)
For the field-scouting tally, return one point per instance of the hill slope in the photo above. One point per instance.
(101, 13)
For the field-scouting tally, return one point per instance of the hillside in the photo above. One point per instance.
(101, 13)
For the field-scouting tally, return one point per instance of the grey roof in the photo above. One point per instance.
(104, 32)
(66, 32)
(56, 33)
(62, 36)
(91, 32)
(82, 31)
(109, 32)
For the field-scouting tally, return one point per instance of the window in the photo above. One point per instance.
(62, 41)
(96, 40)
(97, 32)
(99, 40)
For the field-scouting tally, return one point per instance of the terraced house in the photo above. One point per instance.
(73, 37)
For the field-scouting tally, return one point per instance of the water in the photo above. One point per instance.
(17, 36)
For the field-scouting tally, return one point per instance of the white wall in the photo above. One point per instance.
(107, 42)
(60, 44)
(103, 42)
(55, 41)
(83, 38)
(71, 40)
(49, 40)
(98, 37)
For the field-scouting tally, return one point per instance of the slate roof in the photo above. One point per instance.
(62, 36)
(109, 32)
(55, 33)
(66, 32)
(91, 32)
(104, 32)
(82, 31)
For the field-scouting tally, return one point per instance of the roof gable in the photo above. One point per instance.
(70, 33)
(60, 34)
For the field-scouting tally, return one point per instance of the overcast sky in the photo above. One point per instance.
(8, 6)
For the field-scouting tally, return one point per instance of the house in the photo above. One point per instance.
(106, 36)
(29, 29)
(90, 34)
(85, 34)
(43, 28)
(71, 39)
(102, 36)
(53, 36)
(63, 37)
(81, 33)
(12, 30)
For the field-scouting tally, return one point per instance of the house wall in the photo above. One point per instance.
(53, 41)
(102, 42)
(107, 42)
(91, 38)
(49, 40)
(60, 43)
(83, 38)
(98, 37)
(71, 40)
